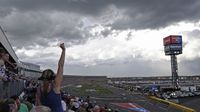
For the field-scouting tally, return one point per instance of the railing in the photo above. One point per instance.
(175, 105)
(10, 88)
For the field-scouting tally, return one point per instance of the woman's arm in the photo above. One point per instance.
(59, 75)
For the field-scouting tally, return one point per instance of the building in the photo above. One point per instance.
(30, 70)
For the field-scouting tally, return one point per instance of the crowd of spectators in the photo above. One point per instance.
(72, 103)
(9, 74)
(25, 102)
(43, 94)
(8, 70)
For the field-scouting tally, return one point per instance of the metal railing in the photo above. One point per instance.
(10, 87)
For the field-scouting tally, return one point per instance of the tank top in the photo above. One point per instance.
(52, 100)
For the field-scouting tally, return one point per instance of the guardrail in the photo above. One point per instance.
(178, 106)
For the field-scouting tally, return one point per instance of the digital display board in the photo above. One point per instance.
(172, 39)
(173, 45)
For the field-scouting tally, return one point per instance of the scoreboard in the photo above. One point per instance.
(173, 45)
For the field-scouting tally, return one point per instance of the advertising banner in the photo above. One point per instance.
(173, 47)
(172, 39)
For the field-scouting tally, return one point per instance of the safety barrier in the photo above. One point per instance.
(178, 106)
(10, 88)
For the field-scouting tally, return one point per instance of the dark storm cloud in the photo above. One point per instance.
(25, 28)
(26, 21)
(32, 28)
(78, 6)
(157, 14)
(138, 14)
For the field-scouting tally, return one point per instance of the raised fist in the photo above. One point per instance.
(62, 46)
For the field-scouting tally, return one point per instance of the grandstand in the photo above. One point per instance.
(24, 68)
(70, 79)
(13, 85)
(30, 70)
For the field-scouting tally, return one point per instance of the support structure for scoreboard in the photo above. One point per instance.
(174, 67)
(173, 47)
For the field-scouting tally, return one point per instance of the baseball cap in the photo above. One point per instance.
(47, 75)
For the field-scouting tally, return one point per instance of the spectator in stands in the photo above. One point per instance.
(28, 104)
(10, 65)
(8, 105)
(89, 107)
(87, 99)
(96, 108)
(3, 76)
(20, 106)
(75, 105)
(2, 63)
(4, 107)
(64, 105)
(5, 64)
(48, 94)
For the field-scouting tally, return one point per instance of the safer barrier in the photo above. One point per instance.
(10, 88)
(180, 107)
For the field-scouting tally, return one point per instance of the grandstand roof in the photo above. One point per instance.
(6, 44)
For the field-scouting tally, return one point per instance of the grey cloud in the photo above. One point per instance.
(194, 34)
(78, 6)
(190, 67)
(42, 59)
(25, 29)
(5, 11)
(138, 14)
(26, 21)
(134, 68)
(30, 28)
(105, 32)
(158, 14)
(191, 35)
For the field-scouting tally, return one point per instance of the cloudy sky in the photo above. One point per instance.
(104, 37)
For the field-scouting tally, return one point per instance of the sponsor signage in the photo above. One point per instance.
(172, 39)
(173, 45)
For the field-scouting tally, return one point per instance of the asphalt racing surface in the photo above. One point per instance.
(122, 100)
